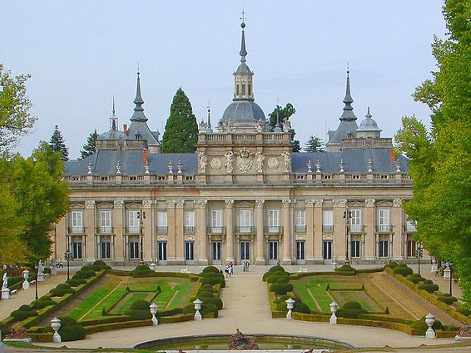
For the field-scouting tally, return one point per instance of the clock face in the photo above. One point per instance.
(216, 163)
(273, 163)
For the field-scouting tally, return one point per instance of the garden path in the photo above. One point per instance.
(25, 297)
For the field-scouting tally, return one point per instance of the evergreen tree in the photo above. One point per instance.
(314, 144)
(181, 129)
(58, 145)
(284, 113)
(90, 147)
(440, 158)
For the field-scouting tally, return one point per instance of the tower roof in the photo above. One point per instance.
(368, 124)
(348, 100)
(138, 114)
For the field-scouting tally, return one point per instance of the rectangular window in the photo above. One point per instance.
(77, 249)
(250, 89)
(217, 218)
(300, 250)
(273, 220)
(355, 220)
(134, 249)
(105, 249)
(383, 220)
(162, 251)
(189, 222)
(76, 221)
(383, 250)
(355, 248)
(300, 218)
(245, 220)
(243, 89)
(133, 221)
(237, 90)
(216, 251)
(161, 222)
(105, 221)
(328, 221)
(411, 248)
(327, 249)
(189, 251)
(245, 250)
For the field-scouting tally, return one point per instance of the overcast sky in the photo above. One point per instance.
(81, 53)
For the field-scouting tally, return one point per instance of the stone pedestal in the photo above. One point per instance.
(40, 277)
(5, 293)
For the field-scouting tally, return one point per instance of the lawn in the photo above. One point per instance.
(117, 293)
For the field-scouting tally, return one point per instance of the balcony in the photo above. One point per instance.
(162, 230)
(189, 230)
(216, 230)
(76, 230)
(384, 228)
(273, 230)
(328, 228)
(246, 230)
(104, 230)
(356, 228)
(300, 228)
(132, 230)
(411, 227)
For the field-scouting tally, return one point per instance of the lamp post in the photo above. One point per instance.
(36, 282)
(67, 258)
(419, 252)
(141, 215)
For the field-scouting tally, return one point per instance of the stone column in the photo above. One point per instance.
(260, 240)
(285, 219)
(370, 219)
(148, 229)
(229, 224)
(118, 228)
(179, 235)
(201, 237)
(340, 242)
(318, 230)
(61, 238)
(171, 233)
(89, 217)
(398, 230)
(309, 245)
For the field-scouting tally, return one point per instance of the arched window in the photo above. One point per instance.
(249, 89)
(237, 90)
(243, 89)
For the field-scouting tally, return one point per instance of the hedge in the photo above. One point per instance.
(346, 269)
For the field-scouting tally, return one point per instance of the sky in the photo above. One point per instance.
(82, 53)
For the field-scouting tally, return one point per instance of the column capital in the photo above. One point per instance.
(89, 204)
(342, 203)
(370, 203)
(229, 203)
(397, 202)
(171, 203)
(180, 203)
(285, 202)
(147, 203)
(259, 203)
(118, 203)
(201, 203)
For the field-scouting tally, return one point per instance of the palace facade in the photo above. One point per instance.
(243, 195)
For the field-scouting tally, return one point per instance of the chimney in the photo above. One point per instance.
(145, 156)
(125, 129)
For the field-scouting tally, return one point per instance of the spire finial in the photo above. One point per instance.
(114, 119)
(138, 114)
(348, 100)
(243, 50)
(209, 115)
(368, 114)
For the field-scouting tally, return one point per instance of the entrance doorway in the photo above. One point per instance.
(244, 251)
(327, 250)
(272, 252)
(216, 252)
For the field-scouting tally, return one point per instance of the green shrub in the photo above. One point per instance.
(141, 271)
(61, 290)
(300, 307)
(420, 327)
(392, 264)
(42, 303)
(14, 280)
(71, 330)
(447, 299)
(139, 310)
(351, 309)
(345, 269)
(84, 273)
(100, 265)
(75, 282)
(403, 270)
(428, 285)
(23, 312)
(281, 288)
(464, 309)
(209, 308)
(277, 277)
(414, 278)
(188, 309)
(213, 279)
(273, 269)
(210, 269)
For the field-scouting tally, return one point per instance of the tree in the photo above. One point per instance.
(314, 144)
(41, 194)
(181, 129)
(15, 117)
(58, 145)
(440, 158)
(284, 113)
(90, 147)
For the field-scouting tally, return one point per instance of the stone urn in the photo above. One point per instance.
(333, 309)
(153, 311)
(198, 305)
(25, 279)
(290, 306)
(429, 321)
(56, 325)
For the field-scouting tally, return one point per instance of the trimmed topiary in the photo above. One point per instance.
(100, 265)
(139, 310)
(274, 269)
(300, 307)
(428, 285)
(23, 312)
(464, 309)
(277, 277)
(403, 270)
(414, 278)
(75, 282)
(447, 298)
(141, 270)
(210, 269)
(42, 303)
(346, 268)
(351, 309)
(281, 288)
(71, 330)
(212, 279)
(61, 290)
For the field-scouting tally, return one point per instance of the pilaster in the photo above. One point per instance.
(202, 239)
(370, 241)
(398, 226)
(340, 242)
(171, 233)
(317, 236)
(228, 223)
(148, 231)
(90, 230)
(179, 236)
(309, 246)
(260, 240)
(287, 238)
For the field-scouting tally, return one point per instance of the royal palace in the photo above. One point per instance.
(242, 196)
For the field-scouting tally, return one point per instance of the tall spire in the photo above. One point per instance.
(348, 100)
(114, 119)
(243, 50)
(209, 117)
(138, 114)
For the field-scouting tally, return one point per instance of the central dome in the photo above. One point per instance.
(243, 111)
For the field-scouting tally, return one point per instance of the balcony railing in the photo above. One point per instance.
(410, 227)
(328, 228)
(162, 230)
(300, 228)
(273, 230)
(76, 230)
(104, 230)
(132, 230)
(356, 228)
(246, 230)
(216, 230)
(384, 228)
(189, 229)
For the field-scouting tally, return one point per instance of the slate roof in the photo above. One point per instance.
(104, 162)
(243, 111)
